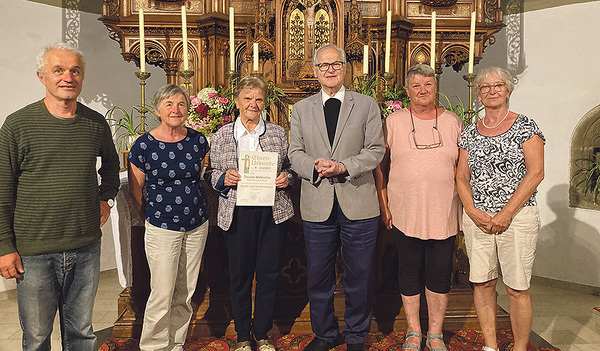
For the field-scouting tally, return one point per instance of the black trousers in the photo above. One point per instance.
(423, 258)
(255, 244)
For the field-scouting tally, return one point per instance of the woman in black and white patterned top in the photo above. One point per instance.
(501, 163)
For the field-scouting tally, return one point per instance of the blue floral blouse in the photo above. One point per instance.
(175, 198)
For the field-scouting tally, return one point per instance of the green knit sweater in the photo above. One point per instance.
(49, 192)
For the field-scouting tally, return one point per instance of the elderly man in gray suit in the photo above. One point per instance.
(336, 141)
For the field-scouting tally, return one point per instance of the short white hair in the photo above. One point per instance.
(42, 57)
(315, 58)
(503, 74)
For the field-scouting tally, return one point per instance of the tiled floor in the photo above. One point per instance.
(564, 318)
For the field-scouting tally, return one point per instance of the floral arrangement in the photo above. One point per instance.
(389, 107)
(393, 100)
(208, 111)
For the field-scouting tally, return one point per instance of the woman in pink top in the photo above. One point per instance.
(420, 203)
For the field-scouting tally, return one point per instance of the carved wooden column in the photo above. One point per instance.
(214, 49)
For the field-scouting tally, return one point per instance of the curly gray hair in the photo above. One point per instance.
(42, 56)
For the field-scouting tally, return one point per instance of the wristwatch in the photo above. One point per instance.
(110, 202)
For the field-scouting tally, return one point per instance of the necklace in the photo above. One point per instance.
(485, 125)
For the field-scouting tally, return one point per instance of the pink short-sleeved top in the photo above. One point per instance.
(422, 194)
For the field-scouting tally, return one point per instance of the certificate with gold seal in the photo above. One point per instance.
(258, 171)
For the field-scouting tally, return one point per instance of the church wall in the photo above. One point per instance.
(26, 27)
(557, 76)
(557, 88)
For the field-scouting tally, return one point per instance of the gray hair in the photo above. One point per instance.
(504, 75)
(328, 46)
(249, 82)
(167, 91)
(420, 70)
(42, 56)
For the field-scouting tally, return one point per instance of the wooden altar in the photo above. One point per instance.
(287, 32)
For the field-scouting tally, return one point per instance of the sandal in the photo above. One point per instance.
(407, 345)
(438, 337)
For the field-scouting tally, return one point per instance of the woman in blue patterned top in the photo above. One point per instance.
(167, 161)
(500, 165)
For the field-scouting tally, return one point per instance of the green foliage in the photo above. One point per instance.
(459, 110)
(374, 86)
(366, 85)
(588, 172)
(126, 124)
(276, 98)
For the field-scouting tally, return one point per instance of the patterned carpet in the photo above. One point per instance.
(462, 340)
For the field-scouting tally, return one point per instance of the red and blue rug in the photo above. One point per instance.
(462, 340)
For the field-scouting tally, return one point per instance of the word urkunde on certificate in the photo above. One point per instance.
(258, 171)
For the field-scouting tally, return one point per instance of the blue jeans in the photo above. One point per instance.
(67, 282)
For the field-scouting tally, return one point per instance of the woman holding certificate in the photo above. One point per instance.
(254, 234)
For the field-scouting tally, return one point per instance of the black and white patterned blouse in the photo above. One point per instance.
(497, 163)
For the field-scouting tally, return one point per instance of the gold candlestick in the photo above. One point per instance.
(233, 76)
(388, 77)
(186, 75)
(256, 74)
(470, 78)
(142, 76)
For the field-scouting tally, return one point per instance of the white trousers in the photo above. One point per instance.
(174, 259)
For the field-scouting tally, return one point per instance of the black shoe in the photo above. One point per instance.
(318, 345)
(355, 347)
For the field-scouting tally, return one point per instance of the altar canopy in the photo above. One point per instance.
(288, 31)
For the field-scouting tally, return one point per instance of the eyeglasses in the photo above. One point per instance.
(324, 67)
(435, 128)
(484, 89)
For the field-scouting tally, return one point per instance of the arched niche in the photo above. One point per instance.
(306, 26)
(584, 144)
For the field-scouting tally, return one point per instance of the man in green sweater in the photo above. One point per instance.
(51, 206)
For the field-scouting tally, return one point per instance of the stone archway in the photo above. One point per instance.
(584, 144)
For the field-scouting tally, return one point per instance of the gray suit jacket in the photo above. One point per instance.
(358, 144)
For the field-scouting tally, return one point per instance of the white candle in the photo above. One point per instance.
(388, 39)
(185, 41)
(472, 43)
(366, 60)
(255, 57)
(231, 40)
(142, 45)
(432, 61)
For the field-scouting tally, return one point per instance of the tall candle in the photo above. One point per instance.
(388, 39)
(231, 40)
(142, 45)
(185, 41)
(366, 60)
(472, 43)
(432, 61)
(255, 57)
